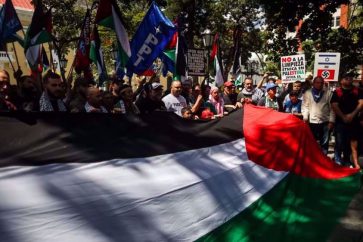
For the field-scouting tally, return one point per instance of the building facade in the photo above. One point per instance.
(9, 53)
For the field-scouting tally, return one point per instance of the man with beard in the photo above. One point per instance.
(229, 96)
(249, 94)
(51, 98)
(94, 101)
(28, 95)
(78, 95)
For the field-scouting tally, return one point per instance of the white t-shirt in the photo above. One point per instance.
(174, 104)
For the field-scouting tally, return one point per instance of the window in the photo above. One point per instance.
(336, 22)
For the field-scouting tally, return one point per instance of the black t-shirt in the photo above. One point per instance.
(146, 105)
(347, 99)
(230, 99)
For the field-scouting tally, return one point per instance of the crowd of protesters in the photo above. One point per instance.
(327, 111)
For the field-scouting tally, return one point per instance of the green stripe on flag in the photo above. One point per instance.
(297, 209)
(107, 22)
(170, 54)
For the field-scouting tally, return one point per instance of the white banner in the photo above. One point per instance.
(327, 65)
(293, 68)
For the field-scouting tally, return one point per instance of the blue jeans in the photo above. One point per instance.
(342, 144)
(321, 134)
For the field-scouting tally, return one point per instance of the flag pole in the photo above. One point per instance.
(51, 56)
(16, 57)
(11, 63)
(71, 68)
(94, 5)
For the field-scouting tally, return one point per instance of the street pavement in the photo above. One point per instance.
(350, 227)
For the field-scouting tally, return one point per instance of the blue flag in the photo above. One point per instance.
(9, 23)
(150, 39)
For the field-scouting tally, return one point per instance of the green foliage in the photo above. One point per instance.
(309, 51)
(67, 21)
(315, 32)
(263, 25)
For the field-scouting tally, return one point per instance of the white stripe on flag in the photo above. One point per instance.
(100, 63)
(219, 76)
(121, 33)
(173, 197)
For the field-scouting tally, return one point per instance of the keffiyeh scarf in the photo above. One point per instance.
(46, 106)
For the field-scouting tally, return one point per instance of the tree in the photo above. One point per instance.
(315, 34)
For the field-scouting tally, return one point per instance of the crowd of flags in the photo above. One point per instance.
(156, 37)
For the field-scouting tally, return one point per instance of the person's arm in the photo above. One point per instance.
(350, 116)
(264, 78)
(197, 104)
(240, 100)
(331, 114)
(261, 102)
(305, 110)
(337, 111)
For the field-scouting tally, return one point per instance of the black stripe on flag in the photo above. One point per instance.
(44, 138)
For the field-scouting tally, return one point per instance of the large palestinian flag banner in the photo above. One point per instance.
(255, 175)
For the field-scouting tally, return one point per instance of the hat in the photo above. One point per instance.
(228, 84)
(206, 114)
(270, 86)
(156, 85)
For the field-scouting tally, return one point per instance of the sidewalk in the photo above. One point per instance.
(350, 227)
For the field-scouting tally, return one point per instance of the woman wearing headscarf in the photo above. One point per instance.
(217, 101)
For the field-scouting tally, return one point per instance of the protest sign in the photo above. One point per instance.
(196, 63)
(293, 68)
(327, 65)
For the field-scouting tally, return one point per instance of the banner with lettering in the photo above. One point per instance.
(150, 39)
(196, 63)
(293, 68)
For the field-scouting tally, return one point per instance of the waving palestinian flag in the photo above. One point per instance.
(255, 175)
(109, 15)
(39, 32)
